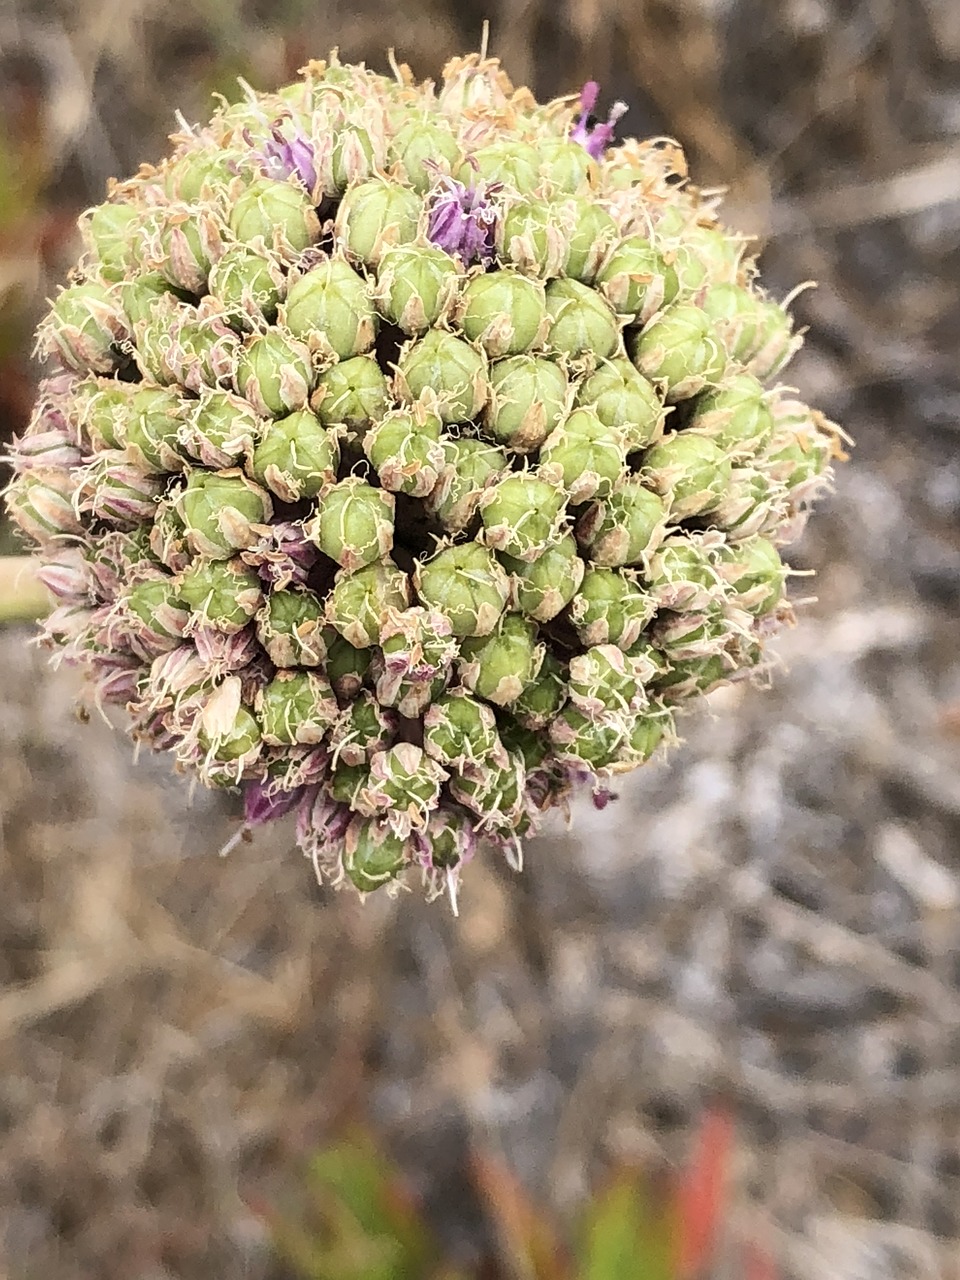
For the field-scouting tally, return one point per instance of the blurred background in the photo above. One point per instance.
(770, 920)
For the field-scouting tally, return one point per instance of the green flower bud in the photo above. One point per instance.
(591, 233)
(184, 241)
(274, 373)
(404, 449)
(467, 584)
(403, 784)
(448, 368)
(693, 676)
(532, 236)
(83, 328)
(690, 471)
(418, 141)
(603, 682)
(593, 741)
(734, 311)
(514, 164)
(684, 573)
(622, 398)
(249, 285)
(584, 456)
(679, 350)
(493, 790)
(499, 666)
(625, 527)
(503, 311)
(376, 216)
(112, 489)
(218, 508)
(347, 781)
(358, 603)
(531, 745)
(110, 232)
(352, 158)
(469, 468)
(221, 430)
(457, 729)
(373, 854)
(167, 537)
(102, 407)
(756, 573)
(228, 731)
(198, 171)
(362, 728)
(275, 216)
(290, 628)
(648, 730)
(566, 165)
(329, 308)
(582, 321)
(734, 415)
(223, 594)
(346, 666)
(752, 503)
(801, 450)
(155, 419)
(353, 393)
(528, 397)
(296, 457)
(543, 588)
(353, 524)
(296, 708)
(610, 608)
(775, 342)
(521, 515)
(139, 296)
(542, 699)
(636, 280)
(417, 286)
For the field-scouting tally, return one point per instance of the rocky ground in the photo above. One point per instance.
(772, 915)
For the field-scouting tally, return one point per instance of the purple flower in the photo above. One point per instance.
(262, 803)
(282, 555)
(462, 220)
(283, 157)
(595, 137)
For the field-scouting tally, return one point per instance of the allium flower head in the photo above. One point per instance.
(409, 457)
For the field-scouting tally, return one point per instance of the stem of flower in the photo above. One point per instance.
(22, 596)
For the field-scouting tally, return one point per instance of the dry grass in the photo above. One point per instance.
(773, 916)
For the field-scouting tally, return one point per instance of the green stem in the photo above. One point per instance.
(23, 597)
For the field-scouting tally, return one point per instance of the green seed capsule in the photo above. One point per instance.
(756, 573)
(417, 142)
(403, 784)
(591, 233)
(625, 528)
(139, 296)
(154, 423)
(359, 601)
(493, 790)
(566, 165)
(684, 574)
(636, 280)
(274, 373)
(469, 468)
(498, 667)
(362, 728)
(248, 284)
(690, 471)
(693, 676)
(197, 172)
(648, 730)
(584, 456)
(680, 349)
(376, 216)
(582, 321)
(218, 509)
(417, 286)
(610, 608)
(353, 393)
(541, 700)
(622, 398)
(418, 651)
(353, 157)
(221, 431)
(602, 682)
(505, 312)
(110, 233)
(83, 327)
(346, 665)
(224, 594)
(735, 313)
(329, 308)
(545, 587)
(521, 515)
(274, 216)
(296, 457)
(458, 729)
(234, 741)
(373, 854)
(514, 164)
(404, 449)
(296, 708)
(290, 628)
(528, 397)
(532, 236)
(593, 741)
(353, 524)
(467, 584)
(734, 416)
(450, 370)
(531, 745)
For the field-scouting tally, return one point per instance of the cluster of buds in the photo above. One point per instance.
(410, 454)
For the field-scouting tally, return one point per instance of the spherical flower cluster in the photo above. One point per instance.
(406, 459)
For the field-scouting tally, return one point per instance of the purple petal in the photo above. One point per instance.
(261, 804)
